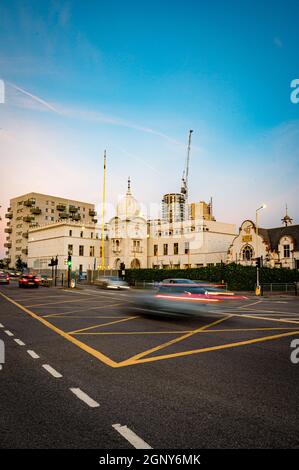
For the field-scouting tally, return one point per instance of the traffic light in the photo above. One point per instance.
(258, 262)
(69, 261)
(52, 262)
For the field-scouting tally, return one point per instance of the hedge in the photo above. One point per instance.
(236, 276)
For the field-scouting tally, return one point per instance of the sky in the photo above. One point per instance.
(133, 77)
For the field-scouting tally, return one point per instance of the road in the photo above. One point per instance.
(80, 372)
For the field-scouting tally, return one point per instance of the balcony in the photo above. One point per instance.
(136, 249)
(73, 209)
(28, 218)
(36, 211)
(92, 212)
(64, 215)
(25, 235)
(8, 230)
(9, 215)
(25, 251)
(7, 245)
(95, 221)
(116, 250)
(29, 202)
(61, 207)
(76, 217)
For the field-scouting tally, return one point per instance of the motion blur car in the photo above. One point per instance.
(29, 280)
(111, 282)
(46, 281)
(185, 299)
(178, 281)
(4, 278)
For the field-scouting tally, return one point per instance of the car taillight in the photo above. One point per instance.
(36, 279)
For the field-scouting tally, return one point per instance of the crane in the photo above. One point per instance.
(184, 187)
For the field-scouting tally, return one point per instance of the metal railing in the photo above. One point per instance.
(272, 288)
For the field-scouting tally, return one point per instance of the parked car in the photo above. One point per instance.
(4, 278)
(111, 282)
(29, 280)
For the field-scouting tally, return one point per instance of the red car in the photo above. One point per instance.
(29, 280)
(4, 278)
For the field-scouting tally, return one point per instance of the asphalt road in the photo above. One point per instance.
(82, 372)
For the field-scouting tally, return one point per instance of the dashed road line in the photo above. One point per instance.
(84, 397)
(9, 333)
(32, 354)
(52, 371)
(131, 437)
(19, 342)
(1, 326)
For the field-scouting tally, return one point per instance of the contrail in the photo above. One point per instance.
(35, 98)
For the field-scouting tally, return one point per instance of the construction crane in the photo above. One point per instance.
(184, 187)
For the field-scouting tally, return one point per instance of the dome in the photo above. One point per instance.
(128, 207)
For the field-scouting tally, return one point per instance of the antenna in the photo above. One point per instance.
(184, 187)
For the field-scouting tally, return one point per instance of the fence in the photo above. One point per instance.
(273, 288)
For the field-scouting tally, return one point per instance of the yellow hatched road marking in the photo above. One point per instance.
(93, 352)
(80, 310)
(102, 324)
(180, 338)
(131, 361)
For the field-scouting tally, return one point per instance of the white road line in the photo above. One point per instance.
(32, 354)
(131, 437)
(1, 326)
(84, 397)
(9, 333)
(19, 342)
(52, 371)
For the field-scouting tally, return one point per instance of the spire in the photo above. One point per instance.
(129, 186)
(287, 220)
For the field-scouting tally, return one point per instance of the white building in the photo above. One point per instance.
(61, 239)
(277, 247)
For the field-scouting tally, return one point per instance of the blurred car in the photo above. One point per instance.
(178, 281)
(14, 274)
(29, 280)
(4, 278)
(112, 282)
(45, 281)
(185, 299)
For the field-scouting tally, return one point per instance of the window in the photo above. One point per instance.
(165, 249)
(81, 234)
(52, 211)
(155, 250)
(46, 218)
(52, 219)
(70, 249)
(91, 251)
(286, 251)
(186, 248)
(81, 250)
(47, 209)
(247, 253)
(91, 235)
(70, 233)
(175, 248)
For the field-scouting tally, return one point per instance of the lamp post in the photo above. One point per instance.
(258, 261)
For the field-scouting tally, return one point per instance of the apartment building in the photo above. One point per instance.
(33, 210)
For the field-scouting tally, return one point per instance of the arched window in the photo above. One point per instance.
(247, 253)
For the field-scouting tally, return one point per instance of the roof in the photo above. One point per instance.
(273, 235)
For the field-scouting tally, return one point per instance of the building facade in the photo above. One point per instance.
(61, 239)
(34, 210)
(277, 247)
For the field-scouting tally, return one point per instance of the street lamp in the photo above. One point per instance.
(258, 287)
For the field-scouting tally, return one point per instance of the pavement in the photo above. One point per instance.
(87, 369)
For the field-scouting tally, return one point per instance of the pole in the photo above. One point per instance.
(257, 251)
(103, 214)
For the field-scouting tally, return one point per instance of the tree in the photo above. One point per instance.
(20, 265)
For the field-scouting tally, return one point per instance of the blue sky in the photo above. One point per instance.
(134, 77)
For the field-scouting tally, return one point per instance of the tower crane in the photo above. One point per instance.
(184, 187)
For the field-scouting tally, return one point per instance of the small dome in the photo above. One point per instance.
(128, 206)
